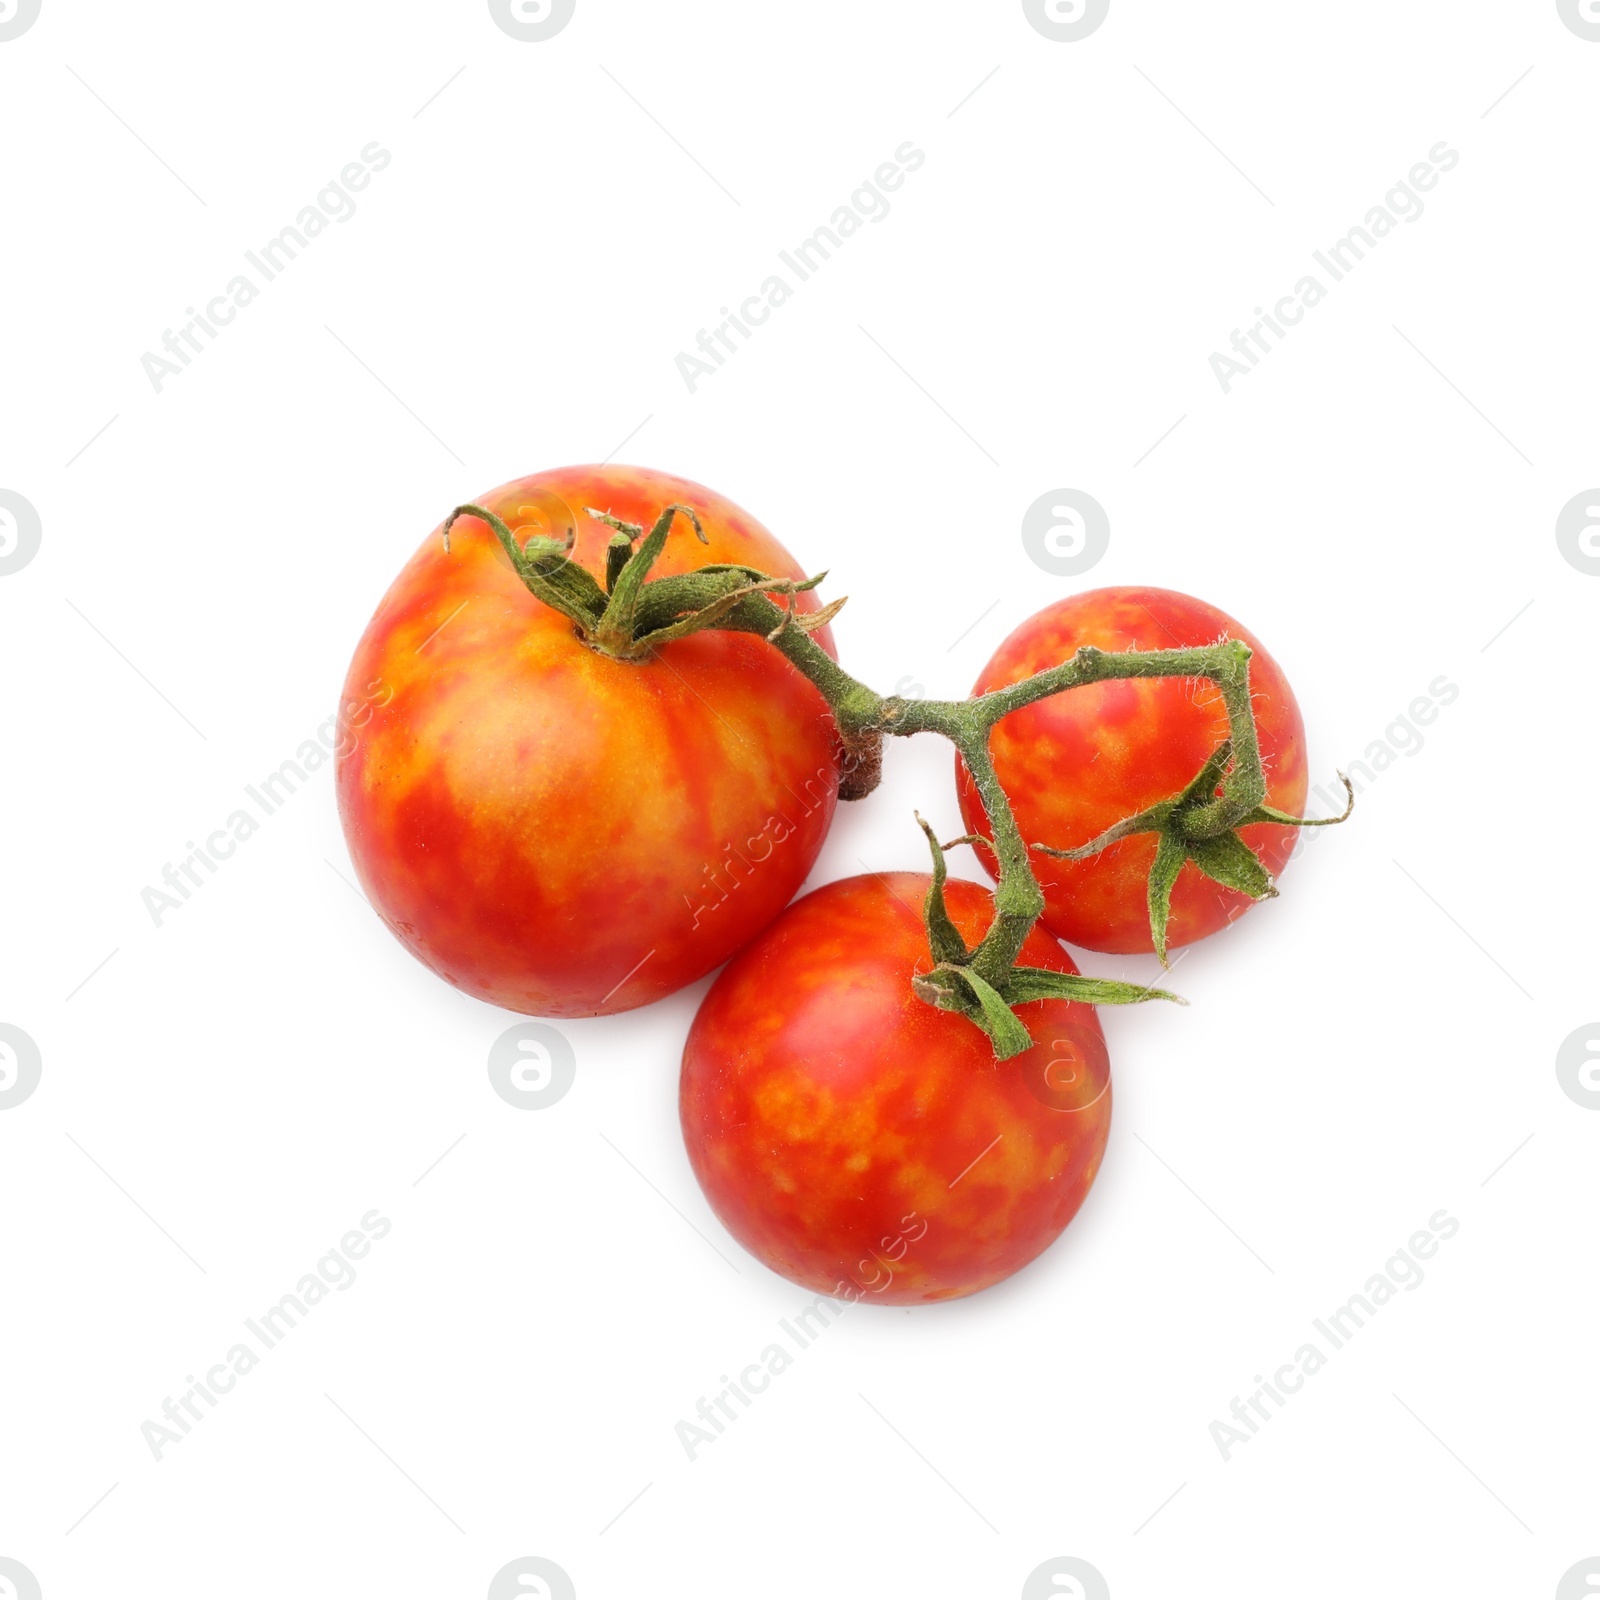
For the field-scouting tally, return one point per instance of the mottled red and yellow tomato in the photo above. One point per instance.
(867, 1145)
(1074, 764)
(555, 830)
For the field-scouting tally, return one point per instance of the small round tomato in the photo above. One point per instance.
(867, 1145)
(556, 830)
(1075, 763)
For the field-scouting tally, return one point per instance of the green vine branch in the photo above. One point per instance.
(633, 614)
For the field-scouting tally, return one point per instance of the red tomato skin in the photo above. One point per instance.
(1076, 763)
(550, 829)
(864, 1144)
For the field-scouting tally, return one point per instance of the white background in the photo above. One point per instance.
(228, 1094)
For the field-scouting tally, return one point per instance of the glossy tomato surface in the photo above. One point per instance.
(551, 829)
(867, 1145)
(1078, 762)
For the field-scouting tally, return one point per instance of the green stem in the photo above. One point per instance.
(1018, 899)
(864, 717)
(635, 614)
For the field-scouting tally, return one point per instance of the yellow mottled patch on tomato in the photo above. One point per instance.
(793, 1110)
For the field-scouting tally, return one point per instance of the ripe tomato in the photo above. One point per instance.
(867, 1145)
(555, 830)
(1076, 763)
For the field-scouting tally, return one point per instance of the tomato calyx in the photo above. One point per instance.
(957, 983)
(635, 613)
(1186, 831)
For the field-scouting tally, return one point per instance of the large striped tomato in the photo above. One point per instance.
(1076, 763)
(867, 1145)
(556, 830)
